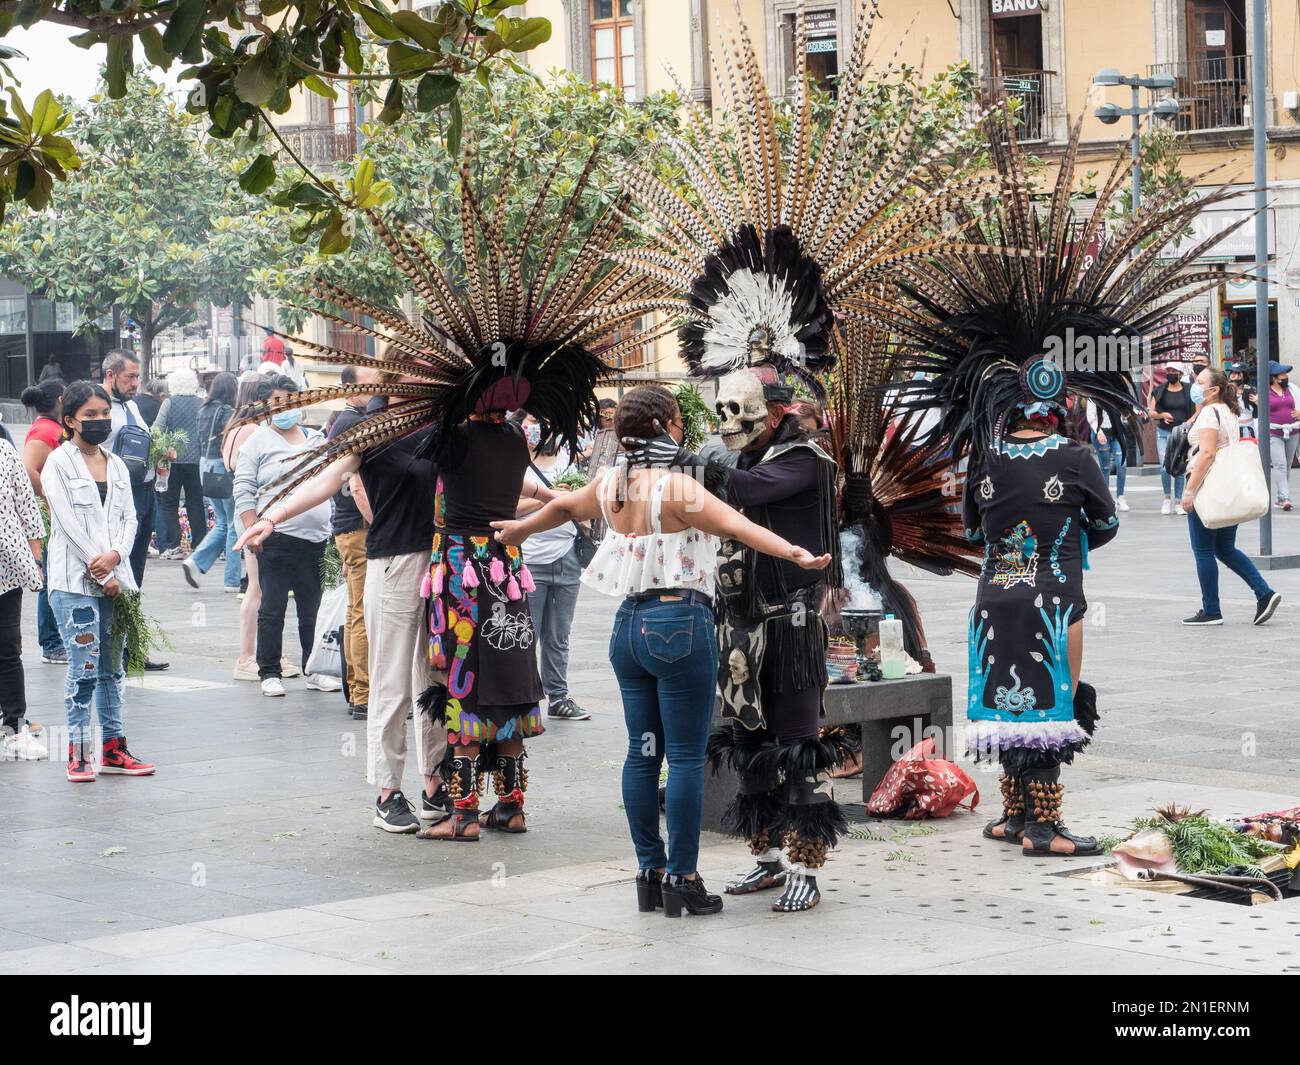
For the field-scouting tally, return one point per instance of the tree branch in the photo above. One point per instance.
(105, 24)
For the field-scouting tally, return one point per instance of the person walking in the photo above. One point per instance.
(21, 530)
(180, 414)
(552, 558)
(398, 489)
(45, 401)
(662, 560)
(349, 525)
(1169, 406)
(290, 557)
(129, 439)
(214, 415)
(1107, 441)
(92, 528)
(1214, 427)
(1284, 428)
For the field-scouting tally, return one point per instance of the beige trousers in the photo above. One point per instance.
(399, 670)
(352, 550)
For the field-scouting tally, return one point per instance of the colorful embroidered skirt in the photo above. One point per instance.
(481, 634)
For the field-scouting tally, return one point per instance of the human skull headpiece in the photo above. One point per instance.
(742, 409)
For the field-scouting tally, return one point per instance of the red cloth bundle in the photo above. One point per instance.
(920, 784)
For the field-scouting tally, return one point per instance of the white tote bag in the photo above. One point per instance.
(327, 656)
(1234, 491)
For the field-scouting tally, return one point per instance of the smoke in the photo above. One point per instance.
(861, 595)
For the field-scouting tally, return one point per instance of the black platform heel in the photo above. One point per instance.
(679, 892)
(649, 891)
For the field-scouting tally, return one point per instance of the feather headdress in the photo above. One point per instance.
(1079, 316)
(768, 246)
(521, 329)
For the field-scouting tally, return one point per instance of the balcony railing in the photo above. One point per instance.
(318, 144)
(1026, 91)
(1212, 93)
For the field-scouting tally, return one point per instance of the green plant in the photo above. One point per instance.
(573, 479)
(331, 567)
(1204, 846)
(696, 416)
(164, 441)
(137, 632)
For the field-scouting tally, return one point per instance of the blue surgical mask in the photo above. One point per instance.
(1198, 394)
(533, 433)
(286, 419)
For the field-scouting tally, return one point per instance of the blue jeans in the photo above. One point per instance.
(552, 605)
(1167, 482)
(47, 629)
(1111, 455)
(1209, 548)
(94, 663)
(223, 534)
(665, 656)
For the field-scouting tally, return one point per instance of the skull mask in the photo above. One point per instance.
(742, 409)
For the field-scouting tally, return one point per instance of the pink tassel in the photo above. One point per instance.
(526, 579)
(512, 590)
(426, 587)
(469, 578)
(439, 572)
(496, 571)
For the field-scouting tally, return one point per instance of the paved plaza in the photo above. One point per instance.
(251, 851)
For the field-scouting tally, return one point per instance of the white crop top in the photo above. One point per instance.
(627, 563)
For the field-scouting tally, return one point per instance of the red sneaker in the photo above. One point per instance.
(117, 759)
(80, 769)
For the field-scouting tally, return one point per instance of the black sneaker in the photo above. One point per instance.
(156, 667)
(1266, 606)
(566, 710)
(395, 814)
(357, 711)
(1202, 618)
(437, 808)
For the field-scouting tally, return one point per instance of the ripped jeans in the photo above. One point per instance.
(94, 663)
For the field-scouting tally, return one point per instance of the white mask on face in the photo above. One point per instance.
(742, 409)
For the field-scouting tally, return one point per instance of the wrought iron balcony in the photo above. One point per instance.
(317, 144)
(1026, 91)
(1212, 93)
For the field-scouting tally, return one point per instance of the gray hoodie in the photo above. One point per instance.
(263, 459)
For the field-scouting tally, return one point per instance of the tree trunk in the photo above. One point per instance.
(146, 351)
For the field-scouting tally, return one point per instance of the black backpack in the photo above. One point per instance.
(132, 446)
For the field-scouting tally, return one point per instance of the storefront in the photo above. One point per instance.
(33, 329)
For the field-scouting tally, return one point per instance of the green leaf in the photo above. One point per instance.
(380, 25)
(32, 11)
(120, 63)
(257, 80)
(455, 125)
(528, 33)
(86, 40)
(259, 176)
(337, 235)
(24, 180)
(154, 49)
(418, 29)
(352, 51)
(320, 86)
(435, 90)
(393, 104)
(403, 59)
(185, 24)
(45, 114)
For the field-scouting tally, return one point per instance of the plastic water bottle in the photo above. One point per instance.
(893, 660)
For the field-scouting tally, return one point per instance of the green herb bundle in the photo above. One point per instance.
(573, 479)
(696, 416)
(161, 441)
(1204, 846)
(137, 631)
(331, 567)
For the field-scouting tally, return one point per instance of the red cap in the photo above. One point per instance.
(273, 350)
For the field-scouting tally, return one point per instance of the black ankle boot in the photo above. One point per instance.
(679, 892)
(649, 890)
(1045, 832)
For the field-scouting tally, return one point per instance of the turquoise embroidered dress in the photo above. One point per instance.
(1036, 504)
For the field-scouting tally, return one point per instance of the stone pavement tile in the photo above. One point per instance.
(384, 907)
(1234, 944)
(54, 958)
(174, 939)
(660, 959)
(239, 959)
(1026, 911)
(161, 900)
(213, 871)
(272, 924)
(308, 891)
(1084, 959)
(11, 940)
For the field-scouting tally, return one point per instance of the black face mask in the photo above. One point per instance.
(96, 430)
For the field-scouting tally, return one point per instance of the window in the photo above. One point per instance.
(613, 49)
(13, 314)
(1017, 47)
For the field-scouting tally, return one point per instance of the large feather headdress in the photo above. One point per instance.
(767, 248)
(530, 331)
(1079, 316)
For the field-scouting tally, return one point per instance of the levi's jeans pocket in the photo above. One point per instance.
(668, 638)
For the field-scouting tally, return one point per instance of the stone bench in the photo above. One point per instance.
(916, 704)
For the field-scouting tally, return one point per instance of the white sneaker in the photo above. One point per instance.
(245, 671)
(321, 683)
(272, 687)
(191, 571)
(1167, 507)
(1120, 504)
(289, 668)
(22, 747)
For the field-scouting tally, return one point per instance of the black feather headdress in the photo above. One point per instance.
(516, 331)
(1080, 315)
(769, 246)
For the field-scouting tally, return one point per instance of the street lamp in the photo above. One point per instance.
(1110, 113)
